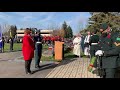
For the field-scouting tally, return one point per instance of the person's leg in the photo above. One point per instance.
(110, 72)
(29, 65)
(3, 46)
(0, 50)
(39, 55)
(26, 66)
(10, 46)
(36, 56)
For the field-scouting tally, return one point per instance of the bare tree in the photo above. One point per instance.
(5, 29)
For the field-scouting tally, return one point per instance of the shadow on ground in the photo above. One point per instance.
(46, 66)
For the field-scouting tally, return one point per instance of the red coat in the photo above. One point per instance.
(28, 47)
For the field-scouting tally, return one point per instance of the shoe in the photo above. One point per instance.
(96, 72)
(38, 67)
(29, 73)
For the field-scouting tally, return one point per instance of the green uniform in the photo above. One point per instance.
(109, 63)
(93, 46)
(115, 52)
(38, 50)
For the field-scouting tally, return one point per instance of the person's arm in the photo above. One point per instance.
(112, 52)
(85, 39)
(90, 40)
(28, 42)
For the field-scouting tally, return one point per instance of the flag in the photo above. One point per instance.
(10, 34)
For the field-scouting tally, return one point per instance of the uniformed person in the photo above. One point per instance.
(94, 39)
(11, 43)
(115, 52)
(38, 49)
(93, 43)
(0, 45)
(106, 44)
(3, 44)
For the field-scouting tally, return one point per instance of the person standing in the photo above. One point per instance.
(11, 43)
(76, 43)
(28, 50)
(0, 45)
(82, 43)
(94, 45)
(38, 49)
(86, 44)
(3, 43)
(109, 63)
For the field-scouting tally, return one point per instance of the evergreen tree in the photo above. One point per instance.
(12, 31)
(112, 18)
(64, 27)
(70, 32)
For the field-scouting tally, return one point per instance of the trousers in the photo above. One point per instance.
(38, 53)
(27, 65)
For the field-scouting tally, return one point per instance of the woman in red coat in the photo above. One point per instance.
(28, 50)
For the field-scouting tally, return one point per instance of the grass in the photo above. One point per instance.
(50, 58)
(16, 47)
(45, 47)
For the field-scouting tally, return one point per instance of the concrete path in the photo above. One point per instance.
(13, 67)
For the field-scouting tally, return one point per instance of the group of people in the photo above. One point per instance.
(81, 44)
(31, 43)
(108, 50)
(104, 50)
(50, 39)
(2, 44)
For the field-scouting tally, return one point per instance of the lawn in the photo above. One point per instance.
(18, 47)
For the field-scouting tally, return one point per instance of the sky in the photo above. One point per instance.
(44, 20)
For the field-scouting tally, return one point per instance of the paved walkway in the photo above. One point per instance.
(10, 55)
(11, 66)
(75, 68)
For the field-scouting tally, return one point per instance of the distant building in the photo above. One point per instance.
(46, 32)
(19, 35)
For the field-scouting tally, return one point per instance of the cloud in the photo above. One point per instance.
(5, 17)
(27, 18)
(44, 19)
(50, 16)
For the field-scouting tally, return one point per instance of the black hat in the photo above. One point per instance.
(104, 26)
(95, 31)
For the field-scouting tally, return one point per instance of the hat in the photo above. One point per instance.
(104, 26)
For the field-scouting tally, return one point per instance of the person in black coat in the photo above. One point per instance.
(38, 49)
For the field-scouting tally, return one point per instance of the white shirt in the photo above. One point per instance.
(87, 38)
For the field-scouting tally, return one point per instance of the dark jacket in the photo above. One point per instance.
(105, 44)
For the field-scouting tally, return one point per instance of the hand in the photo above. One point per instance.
(99, 53)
